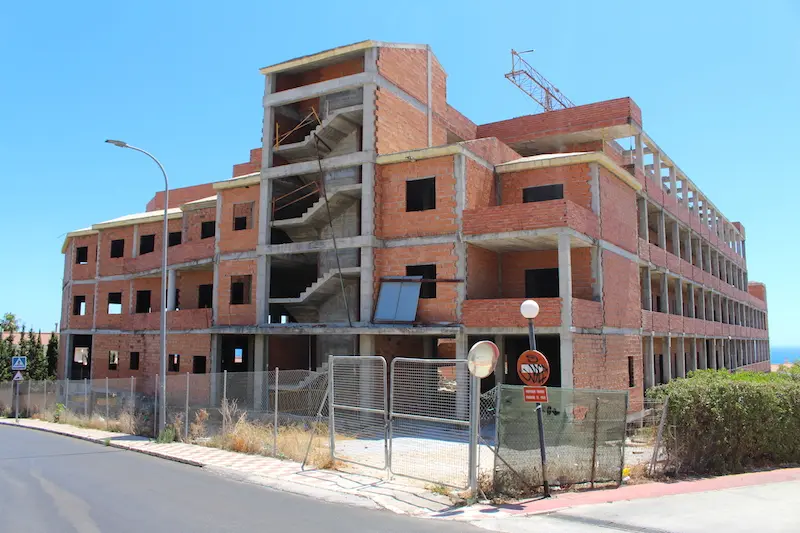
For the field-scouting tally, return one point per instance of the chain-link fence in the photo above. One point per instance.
(430, 420)
(358, 411)
(584, 434)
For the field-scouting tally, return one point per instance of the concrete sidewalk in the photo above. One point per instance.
(397, 495)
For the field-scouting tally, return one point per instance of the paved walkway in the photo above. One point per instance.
(398, 495)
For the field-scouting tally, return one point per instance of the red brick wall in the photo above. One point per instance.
(594, 368)
(240, 315)
(391, 218)
(341, 69)
(575, 179)
(514, 265)
(149, 348)
(178, 197)
(408, 69)
(242, 240)
(85, 321)
(459, 124)
(104, 320)
(481, 190)
(759, 290)
(482, 270)
(491, 150)
(504, 313)
(391, 346)
(88, 270)
(398, 125)
(618, 212)
(591, 116)
(192, 220)
(393, 262)
(188, 281)
(438, 88)
(109, 266)
(248, 167)
(621, 291)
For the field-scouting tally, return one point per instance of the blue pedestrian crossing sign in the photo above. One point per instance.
(18, 377)
(19, 363)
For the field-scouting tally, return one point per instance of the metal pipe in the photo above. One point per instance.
(106, 402)
(186, 421)
(275, 421)
(162, 418)
(539, 420)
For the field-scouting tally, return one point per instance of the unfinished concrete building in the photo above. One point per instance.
(377, 219)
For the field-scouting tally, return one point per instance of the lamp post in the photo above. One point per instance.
(162, 412)
(530, 310)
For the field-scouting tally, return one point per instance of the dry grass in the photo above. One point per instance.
(127, 422)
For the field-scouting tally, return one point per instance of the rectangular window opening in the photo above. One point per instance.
(631, 372)
(134, 361)
(543, 193)
(238, 355)
(174, 362)
(81, 255)
(114, 303)
(113, 359)
(541, 283)
(117, 248)
(205, 296)
(208, 229)
(199, 364)
(143, 301)
(240, 290)
(427, 290)
(242, 216)
(79, 306)
(147, 244)
(421, 194)
(174, 238)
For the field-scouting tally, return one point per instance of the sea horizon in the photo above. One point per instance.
(783, 354)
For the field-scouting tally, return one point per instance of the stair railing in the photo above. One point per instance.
(297, 195)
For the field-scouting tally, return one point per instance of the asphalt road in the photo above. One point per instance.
(50, 483)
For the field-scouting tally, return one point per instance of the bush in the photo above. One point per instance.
(719, 422)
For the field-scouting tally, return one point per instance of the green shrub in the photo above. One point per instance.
(167, 435)
(720, 422)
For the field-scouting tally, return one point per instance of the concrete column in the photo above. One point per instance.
(700, 253)
(565, 292)
(260, 367)
(647, 290)
(694, 355)
(702, 354)
(462, 377)
(216, 366)
(690, 293)
(667, 349)
(649, 363)
(676, 239)
(500, 370)
(172, 289)
(460, 174)
(679, 296)
(263, 262)
(744, 250)
(712, 355)
(594, 187)
(720, 353)
(680, 358)
(135, 243)
(662, 230)
(638, 161)
(657, 169)
(366, 286)
(644, 232)
(664, 293)
(702, 307)
(688, 246)
(673, 185)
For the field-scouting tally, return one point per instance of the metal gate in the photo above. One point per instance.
(358, 414)
(429, 421)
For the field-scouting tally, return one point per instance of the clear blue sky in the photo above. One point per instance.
(718, 87)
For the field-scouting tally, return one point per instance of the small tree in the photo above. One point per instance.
(9, 323)
(37, 362)
(52, 356)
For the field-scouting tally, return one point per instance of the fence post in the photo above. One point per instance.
(85, 397)
(331, 419)
(106, 402)
(474, 430)
(28, 399)
(66, 394)
(594, 440)
(133, 399)
(275, 422)
(155, 409)
(186, 422)
(44, 403)
(224, 396)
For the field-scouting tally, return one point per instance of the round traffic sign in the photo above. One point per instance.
(533, 368)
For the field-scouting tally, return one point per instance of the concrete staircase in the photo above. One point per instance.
(333, 129)
(305, 308)
(303, 228)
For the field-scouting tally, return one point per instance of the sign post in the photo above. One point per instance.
(534, 371)
(481, 361)
(18, 364)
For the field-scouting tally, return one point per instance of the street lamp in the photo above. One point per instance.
(162, 413)
(530, 310)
